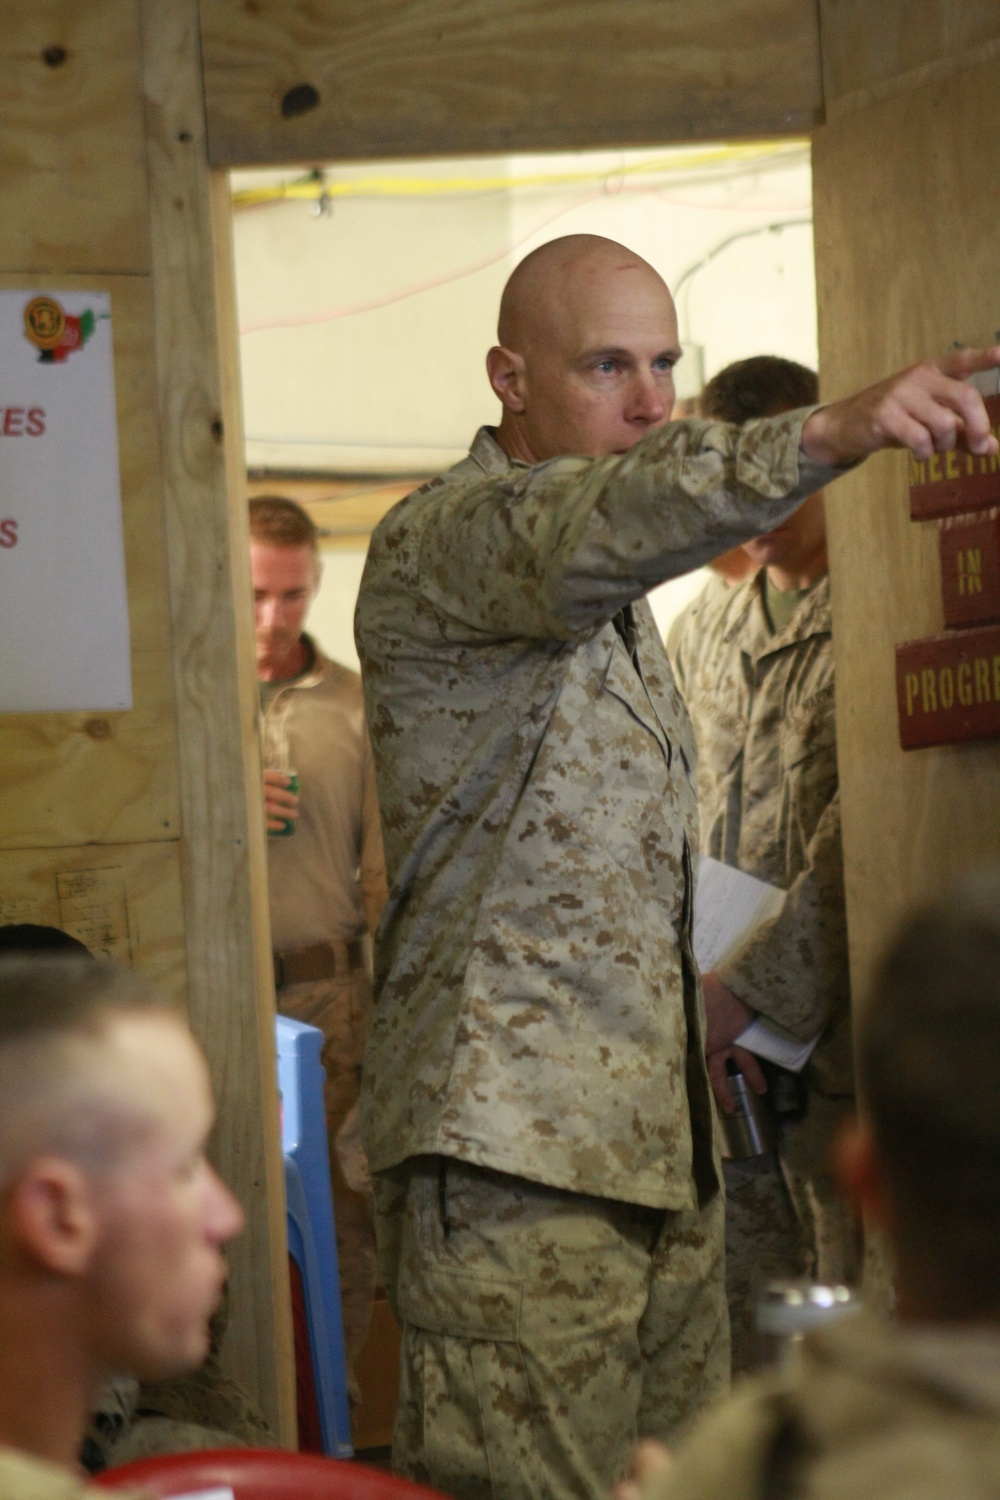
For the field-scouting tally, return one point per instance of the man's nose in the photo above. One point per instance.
(647, 401)
(270, 612)
(225, 1215)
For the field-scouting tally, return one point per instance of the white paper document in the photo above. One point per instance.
(63, 605)
(729, 908)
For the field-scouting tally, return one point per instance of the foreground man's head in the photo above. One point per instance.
(587, 343)
(112, 1221)
(925, 1160)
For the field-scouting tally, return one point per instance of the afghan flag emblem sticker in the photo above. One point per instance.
(55, 332)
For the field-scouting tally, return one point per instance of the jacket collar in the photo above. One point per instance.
(748, 617)
(487, 453)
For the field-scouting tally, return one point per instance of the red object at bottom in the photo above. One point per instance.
(260, 1474)
(306, 1401)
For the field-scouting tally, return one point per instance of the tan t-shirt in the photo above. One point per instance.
(326, 880)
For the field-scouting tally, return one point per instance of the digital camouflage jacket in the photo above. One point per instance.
(762, 708)
(538, 1010)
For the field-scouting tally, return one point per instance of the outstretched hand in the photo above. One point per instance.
(926, 408)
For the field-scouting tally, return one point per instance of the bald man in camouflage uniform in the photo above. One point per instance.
(757, 677)
(537, 1107)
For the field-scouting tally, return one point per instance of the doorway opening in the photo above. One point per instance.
(368, 293)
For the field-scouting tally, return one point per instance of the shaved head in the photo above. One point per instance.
(112, 1220)
(551, 288)
(587, 344)
(57, 1089)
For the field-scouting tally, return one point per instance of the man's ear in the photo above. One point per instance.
(52, 1215)
(506, 372)
(858, 1172)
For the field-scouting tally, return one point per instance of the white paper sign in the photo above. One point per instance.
(63, 605)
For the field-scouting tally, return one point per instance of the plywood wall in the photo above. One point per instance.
(141, 830)
(908, 261)
(345, 79)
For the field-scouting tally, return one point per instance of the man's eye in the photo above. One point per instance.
(607, 366)
(664, 364)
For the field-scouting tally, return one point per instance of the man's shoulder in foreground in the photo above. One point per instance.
(485, 459)
(867, 1411)
(23, 1477)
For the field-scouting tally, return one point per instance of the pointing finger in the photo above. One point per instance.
(961, 363)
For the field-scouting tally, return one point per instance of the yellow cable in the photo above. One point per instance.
(314, 188)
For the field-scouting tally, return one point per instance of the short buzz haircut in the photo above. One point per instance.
(282, 523)
(55, 1012)
(759, 387)
(929, 1065)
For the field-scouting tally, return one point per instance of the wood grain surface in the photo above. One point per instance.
(452, 77)
(124, 901)
(74, 182)
(870, 49)
(908, 261)
(230, 980)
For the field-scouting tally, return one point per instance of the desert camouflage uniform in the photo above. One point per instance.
(202, 1409)
(866, 1411)
(762, 706)
(538, 1007)
(326, 885)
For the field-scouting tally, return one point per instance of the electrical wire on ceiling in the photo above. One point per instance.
(683, 282)
(318, 186)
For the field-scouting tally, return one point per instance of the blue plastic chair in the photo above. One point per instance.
(312, 1241)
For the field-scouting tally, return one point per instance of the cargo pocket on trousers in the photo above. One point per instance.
(474, 1323)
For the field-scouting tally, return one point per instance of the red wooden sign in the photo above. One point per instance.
(948, 688)
(969, 548)
(948, 484)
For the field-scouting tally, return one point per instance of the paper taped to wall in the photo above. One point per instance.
(63, 602)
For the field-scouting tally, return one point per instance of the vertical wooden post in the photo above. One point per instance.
(106, 187)
(231, 993)
(906, 256)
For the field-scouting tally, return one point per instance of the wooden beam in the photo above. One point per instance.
(323, 80)
(345, 511)
(231, 993)
(873, 51)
